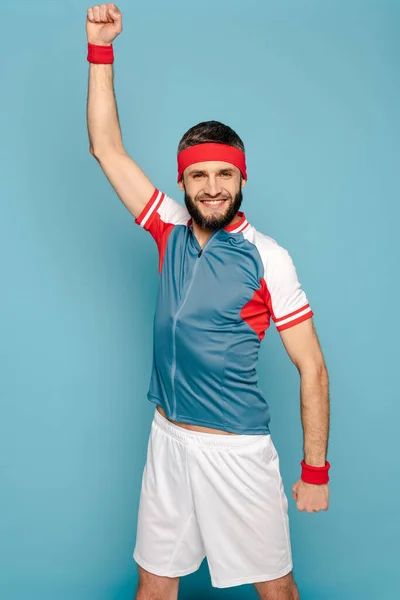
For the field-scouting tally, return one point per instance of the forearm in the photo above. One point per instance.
(314, 393)
(102, 114)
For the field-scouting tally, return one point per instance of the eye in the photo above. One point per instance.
(197, 175)
(226, 174)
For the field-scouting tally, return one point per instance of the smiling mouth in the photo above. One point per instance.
(213, 203)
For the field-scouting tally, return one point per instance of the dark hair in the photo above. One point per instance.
(210, 131)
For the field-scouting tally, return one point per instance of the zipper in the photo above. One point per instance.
(189, 286)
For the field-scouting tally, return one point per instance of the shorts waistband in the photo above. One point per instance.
(188, 436)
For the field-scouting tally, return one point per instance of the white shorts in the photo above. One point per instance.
(215, 496)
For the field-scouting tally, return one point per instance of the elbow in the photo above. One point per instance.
(93, 153)
(314, 367)
(99, 154)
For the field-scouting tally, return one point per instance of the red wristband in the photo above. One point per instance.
(316, 475)
(101, 55)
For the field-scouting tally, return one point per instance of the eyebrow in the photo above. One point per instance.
(203, 172)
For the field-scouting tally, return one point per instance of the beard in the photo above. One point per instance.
(214, 221)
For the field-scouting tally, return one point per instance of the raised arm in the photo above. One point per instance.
(103, 25)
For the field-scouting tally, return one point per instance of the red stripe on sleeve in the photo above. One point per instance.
(296, 321)
(277, 321)
(147, 208)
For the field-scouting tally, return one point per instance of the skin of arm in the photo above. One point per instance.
(302, 345)
(133, 187)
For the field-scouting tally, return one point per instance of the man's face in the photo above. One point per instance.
(213, 193)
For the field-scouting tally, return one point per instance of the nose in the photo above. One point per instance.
(213, 186)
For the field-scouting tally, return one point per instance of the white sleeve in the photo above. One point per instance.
(161, 213)
(285, 298)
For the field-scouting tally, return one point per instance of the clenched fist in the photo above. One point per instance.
(310, 497)
(103, 24)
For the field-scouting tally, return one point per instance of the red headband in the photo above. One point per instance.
(211, 151)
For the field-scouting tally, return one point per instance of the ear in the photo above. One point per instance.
(243, 182)
(181, 186)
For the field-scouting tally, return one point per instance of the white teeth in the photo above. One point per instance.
(212, 201)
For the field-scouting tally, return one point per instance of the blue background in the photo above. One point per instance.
(313, 89)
